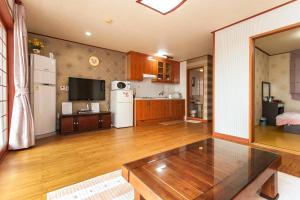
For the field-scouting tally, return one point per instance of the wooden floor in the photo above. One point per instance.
(275, 136)
(64, 160)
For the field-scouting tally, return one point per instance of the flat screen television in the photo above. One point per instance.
(86, 89)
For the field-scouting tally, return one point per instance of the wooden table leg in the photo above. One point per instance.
(137, 196)
(270, 188)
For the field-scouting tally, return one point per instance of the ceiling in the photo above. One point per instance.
(280, 42)
(183, 34)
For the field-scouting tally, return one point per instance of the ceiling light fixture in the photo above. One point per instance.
(109, 21)
(161, 53)
(162, 6)
(297, 34)
(88, 33)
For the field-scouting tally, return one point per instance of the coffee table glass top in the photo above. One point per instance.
(209, 169)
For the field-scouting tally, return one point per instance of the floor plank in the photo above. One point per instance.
(275, 136)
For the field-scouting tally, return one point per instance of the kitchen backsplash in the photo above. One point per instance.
(146, 88)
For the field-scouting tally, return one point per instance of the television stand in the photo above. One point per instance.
(86, 121)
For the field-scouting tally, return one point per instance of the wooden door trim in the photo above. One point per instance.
(213, 84)
(252, 74)
(188, 92)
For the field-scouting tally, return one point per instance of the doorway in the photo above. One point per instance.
(195, 93)
(275, 100)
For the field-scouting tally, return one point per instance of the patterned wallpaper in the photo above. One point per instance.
(274, 69)
(280, 81)
(72, 61)
(261, 74)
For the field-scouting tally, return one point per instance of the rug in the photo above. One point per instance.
(193, 121)
(108, 186)
(113, 186)
(171, 122)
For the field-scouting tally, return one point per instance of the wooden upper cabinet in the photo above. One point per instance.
(167, 71)
(150, 66)
(175, 72)
(135, 64)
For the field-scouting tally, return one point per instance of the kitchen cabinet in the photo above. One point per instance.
(150, 66)
(144, 110)
(158, 110)
(139, 64)
(175, 71)
(135, 64)
(167, 71)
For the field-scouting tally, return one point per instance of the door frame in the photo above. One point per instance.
(252, 74)
(7, 20)
(188, 94)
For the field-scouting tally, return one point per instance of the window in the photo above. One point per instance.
(3, 88)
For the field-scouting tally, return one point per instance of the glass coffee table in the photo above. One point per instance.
(211, 169)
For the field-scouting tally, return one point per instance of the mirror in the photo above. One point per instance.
(266, 91)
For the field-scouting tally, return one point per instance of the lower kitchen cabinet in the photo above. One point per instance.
(154, 111)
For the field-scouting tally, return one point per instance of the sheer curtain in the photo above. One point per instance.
(22, 128)
(295, 74)
(3, 89)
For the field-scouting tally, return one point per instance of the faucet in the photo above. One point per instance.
(161, 93)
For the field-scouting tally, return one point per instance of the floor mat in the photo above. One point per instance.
(193, 121)
(171, 122)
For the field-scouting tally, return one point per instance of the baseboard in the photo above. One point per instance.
(230, 138)
(2, 155)
(153, 121)
(45, 135)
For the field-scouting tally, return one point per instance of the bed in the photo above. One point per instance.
(290, 122)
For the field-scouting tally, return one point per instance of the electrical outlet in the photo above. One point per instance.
(62, 87)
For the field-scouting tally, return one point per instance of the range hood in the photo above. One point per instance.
(150, 76)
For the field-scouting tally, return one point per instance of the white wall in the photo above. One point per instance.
(232, 67)
(182, 86)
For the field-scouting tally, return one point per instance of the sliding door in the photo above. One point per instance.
(3, 89)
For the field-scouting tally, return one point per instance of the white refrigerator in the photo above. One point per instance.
(43, 93)
(121, 106)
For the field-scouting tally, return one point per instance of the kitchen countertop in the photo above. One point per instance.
(157, 98)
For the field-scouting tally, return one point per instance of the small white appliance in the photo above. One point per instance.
(95, 107)
(118, 85)
(121, 103)
(43, 93)
(66, 108)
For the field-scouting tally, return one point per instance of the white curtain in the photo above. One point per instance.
(22, 129)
